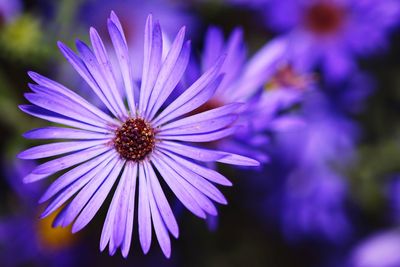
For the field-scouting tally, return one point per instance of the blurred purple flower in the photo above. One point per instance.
(379, 250)
(25, 240)
(131, 142)
(244, 80)
(9, 9)
(329, 33)
(314, 192)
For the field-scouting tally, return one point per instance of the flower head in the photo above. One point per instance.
(135, 144)
(330, 33)
(243, 81)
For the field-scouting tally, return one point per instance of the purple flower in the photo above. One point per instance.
(314, 192)
(136, 145)
(379, 250)
(244, 80)
(330, 33)
(9, 9)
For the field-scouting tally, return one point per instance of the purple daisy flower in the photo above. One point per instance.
(244, 81)
(314, 191)
(329, 33)
(134, 146)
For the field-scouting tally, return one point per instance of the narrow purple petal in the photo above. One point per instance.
(195, 153)
(206, 137)
(122, 207)
(235, 159)
(144, 218)
(121, 50)
(52, 132)
(162, 202)
(30, 178)
(229, 109)
(159, 226)
(55, 149)
(54, 117)
(131, 207)
(58, 220)
(213, 46)
(190, 125)
(151, 61)
(233, 64)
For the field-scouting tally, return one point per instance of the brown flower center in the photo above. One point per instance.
(324, 18)
(135, 139)
(287, 77)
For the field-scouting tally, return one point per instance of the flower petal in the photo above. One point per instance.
(55, 149)
(52, 132)
(144, 218)
(54, 117)
(121, 50)
(196, 153)
(131, 207)
(152, 57)
(159, 226)
(162, 202)
(204, 137)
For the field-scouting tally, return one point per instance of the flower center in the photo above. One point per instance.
(287, 77)
(324, 18)
(135, 139)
